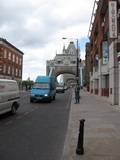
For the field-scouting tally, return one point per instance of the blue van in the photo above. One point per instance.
(44, 89)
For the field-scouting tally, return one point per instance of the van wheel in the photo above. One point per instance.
(13, 109)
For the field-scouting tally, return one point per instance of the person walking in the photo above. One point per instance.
(77, 94)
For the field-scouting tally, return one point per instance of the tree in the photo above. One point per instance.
(27, 84)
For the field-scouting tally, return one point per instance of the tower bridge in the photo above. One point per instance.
(64, 63)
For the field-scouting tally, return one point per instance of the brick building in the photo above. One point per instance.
(11, 61)
(104, 35)
(87, 66)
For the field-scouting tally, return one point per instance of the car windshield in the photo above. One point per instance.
(41, 85)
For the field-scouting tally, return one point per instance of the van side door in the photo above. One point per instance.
(2, 96)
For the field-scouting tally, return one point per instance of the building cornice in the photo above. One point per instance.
(4, 41)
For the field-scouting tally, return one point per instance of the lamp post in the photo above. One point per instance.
(77, 61)
(77, 66)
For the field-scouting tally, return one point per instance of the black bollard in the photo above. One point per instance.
(80, 148)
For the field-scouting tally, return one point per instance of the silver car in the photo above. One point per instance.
(60, 89)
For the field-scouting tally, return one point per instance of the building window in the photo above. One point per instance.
(12, 71)
(5, 53)
(0, 68)
(96, 62)
(4, 69)
(13, 58)
(20, 61)
(16, 72)
(8, 69)
(16, 59)
(20, 72)
(73, 62)
(9, 55)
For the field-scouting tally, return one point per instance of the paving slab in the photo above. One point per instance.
(101, 129)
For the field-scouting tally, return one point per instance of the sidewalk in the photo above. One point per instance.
(101, 131)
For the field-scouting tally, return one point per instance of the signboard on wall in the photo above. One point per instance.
(112, 19)
(105, 52)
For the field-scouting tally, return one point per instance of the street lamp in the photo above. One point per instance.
(77, 61)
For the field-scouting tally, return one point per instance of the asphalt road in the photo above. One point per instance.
(37, 131)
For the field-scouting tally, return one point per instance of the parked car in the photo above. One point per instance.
(60, 89)
(9, 96)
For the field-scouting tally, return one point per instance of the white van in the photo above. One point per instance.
(9, 96)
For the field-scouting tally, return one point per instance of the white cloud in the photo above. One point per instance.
(33, 24)
(37, 27)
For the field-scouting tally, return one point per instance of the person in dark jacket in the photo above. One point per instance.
(77, 94)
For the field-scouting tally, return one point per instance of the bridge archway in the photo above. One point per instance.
(67, 78)
(64, 63)
(64, 71)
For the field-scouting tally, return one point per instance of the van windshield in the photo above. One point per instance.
(41, 86)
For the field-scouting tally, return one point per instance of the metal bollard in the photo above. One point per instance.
(80, 148)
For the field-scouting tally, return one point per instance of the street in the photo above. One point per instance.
(37, 131)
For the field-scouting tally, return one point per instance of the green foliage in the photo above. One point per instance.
(27, 84)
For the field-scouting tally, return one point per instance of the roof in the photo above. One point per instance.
(8, 43)
(42, 79)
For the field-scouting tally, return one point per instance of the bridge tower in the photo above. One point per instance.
(64, 63)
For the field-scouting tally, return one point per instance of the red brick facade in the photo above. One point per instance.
(104, 50)
(100, 28)
(11, 61)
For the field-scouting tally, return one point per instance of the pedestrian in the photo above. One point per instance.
(77, 94)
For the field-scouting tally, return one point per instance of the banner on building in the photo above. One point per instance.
(112, 19)
(105, 52)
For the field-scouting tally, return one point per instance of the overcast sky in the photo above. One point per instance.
(36, 27)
